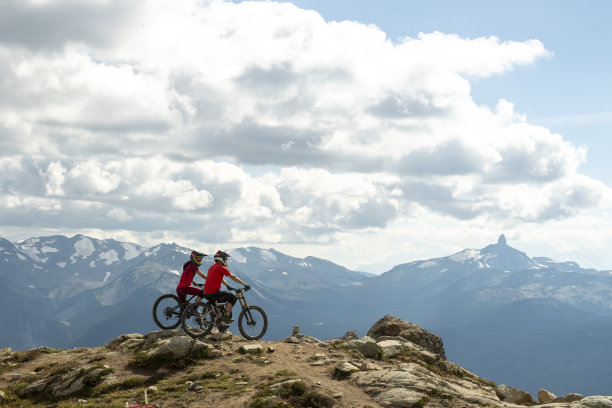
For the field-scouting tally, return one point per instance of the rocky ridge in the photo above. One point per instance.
(397, 364)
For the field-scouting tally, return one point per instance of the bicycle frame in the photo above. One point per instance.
(182, 306)
(219, 307)
(243, 304)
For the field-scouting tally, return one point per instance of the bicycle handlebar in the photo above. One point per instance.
(245, 288)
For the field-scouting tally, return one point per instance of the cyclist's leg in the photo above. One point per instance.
(230, 300)
(189, 290)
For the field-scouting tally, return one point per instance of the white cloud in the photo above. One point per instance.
(256, 122)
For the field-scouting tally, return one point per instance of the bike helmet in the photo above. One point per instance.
(197, 257)
(221, 257)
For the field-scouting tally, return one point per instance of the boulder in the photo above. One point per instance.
(399, 397)
(569, 398)
(77, 380)
(176, 346)
(36, 387)
(344, 369)
(392, 326)
(390, 348)
(545, 396)
(507, 393)
(596, 401)
(366, 346)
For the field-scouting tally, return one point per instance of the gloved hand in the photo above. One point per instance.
(230, 288)
(246, 287)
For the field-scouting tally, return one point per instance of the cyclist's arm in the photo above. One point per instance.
(201, 274)
(236, 279)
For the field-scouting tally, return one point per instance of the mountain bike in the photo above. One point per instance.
(167, 309)
(199, 318)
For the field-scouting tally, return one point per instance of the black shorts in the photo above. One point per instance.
(222, 297)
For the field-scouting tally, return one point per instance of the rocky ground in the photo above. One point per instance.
(398, 364)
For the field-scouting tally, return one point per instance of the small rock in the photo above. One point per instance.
(194, 386)
(367, 366)
(277, 386)
(220, 336)
(351, 335)
(15, 377)
(152, 389)
(271, 349)
(251, 348)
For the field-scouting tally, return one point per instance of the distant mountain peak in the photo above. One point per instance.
(501, 240)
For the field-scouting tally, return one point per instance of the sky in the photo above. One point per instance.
(368, 133)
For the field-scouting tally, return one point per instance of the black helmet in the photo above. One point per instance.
(221, 256)
(197, 257)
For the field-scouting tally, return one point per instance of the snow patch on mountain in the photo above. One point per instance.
(106, 276)
(83, 247)
(131, 251)
(46, 249)
(428, 264)
(61, 264)
(267, 255)
(175, 272)
(29, 248)
(109, 257)
(238, 256)
(466, 255)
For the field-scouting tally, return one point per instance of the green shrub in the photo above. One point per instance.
(422, 402)
(295, 395)
(152, 361)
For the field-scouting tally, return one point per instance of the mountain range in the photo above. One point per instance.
(526, 321)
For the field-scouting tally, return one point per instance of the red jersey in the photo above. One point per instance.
(214, 278)
(188, 274)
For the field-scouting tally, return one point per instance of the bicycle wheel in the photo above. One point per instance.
(253, 322)
(167, 311)
(198, 319)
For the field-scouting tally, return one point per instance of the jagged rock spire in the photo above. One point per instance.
(501, 240)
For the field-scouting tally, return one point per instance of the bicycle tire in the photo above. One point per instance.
(167, 311)
(198, 319)
(252, 322)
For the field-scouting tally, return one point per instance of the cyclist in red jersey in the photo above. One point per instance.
(212, 287)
